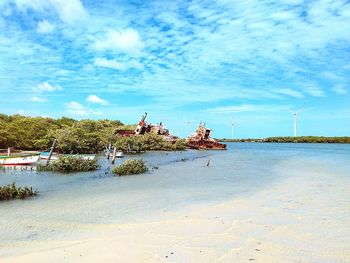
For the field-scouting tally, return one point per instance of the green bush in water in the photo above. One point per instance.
(67, 164)
(11, 191)
(131, 166)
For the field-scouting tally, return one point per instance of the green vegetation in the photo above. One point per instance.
(12, 191)
(67, 164)
(131, 166)
(84, 136)
(309, 139)
(240, 140)
(300, 139)
(34, 133)
(147, 142)
(128, 127)
(26, 133)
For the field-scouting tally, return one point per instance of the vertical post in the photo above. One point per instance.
(208, 163)
(129, 148)
(109, 151)
(114, 154)
(8, 151)
(51, 151)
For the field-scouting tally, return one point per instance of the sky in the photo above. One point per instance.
(246, 62)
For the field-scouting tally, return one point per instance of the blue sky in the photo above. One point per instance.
(182, 62)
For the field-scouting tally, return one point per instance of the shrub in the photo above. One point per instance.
(131, 166)
(11, 191)
(85, 136)
(148, 142)
(67, 164)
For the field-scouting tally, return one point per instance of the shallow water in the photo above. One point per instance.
(67, 203)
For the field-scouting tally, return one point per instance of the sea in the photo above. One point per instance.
(67, 203)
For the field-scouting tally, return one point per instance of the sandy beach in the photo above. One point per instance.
(304, 218)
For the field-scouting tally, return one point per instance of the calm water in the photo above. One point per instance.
(69, 202)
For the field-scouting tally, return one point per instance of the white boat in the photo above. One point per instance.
(84, 156)
(118, 154)
(55, 156)
(19, 160)
(45, 156)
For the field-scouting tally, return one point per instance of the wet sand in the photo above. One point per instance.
(303, 218)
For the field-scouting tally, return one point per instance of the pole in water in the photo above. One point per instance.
(51, 151)
(114, 154)
(208, 163)
(129, 148)
(108, 150)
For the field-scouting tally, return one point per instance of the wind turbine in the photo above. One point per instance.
(232, 124)
(295, 116)
(189, 123)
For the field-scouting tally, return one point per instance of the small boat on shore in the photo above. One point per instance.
(19, 160)
(118, 154)
(56, 156)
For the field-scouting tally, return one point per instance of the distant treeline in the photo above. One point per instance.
(73, 136)
(300, 139)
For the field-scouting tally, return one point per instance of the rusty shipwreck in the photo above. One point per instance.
(201, 140)
(144, 127)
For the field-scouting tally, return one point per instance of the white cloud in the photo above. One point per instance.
(127, 41)
(314, 91)
(234, 109)
(192, 57)
(340, 90)
(106, 63)
(38, 99)
(257, 108)
(94, 99)
(289, 92)
(69, 11)
(45, 27)
(75, 108)
(46, 87)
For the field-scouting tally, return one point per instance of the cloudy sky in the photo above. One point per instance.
(246, 61)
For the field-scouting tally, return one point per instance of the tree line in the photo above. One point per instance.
(299, 139)
(38, 133)
(75, 136)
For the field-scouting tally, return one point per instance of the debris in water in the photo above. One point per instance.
(208, 163)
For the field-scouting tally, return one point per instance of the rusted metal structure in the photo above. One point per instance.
(201, 140)
(143, 127)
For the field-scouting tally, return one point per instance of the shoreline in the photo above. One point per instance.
(282, 223)
(299, 139)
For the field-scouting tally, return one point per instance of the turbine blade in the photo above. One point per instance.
(300, 110)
